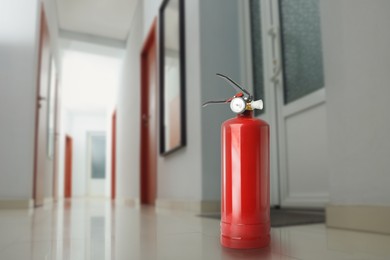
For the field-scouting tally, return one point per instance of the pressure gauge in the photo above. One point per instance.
(238, 105)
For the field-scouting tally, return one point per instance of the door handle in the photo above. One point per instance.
(274, 32)
(277, 71)
(145, 119)
(40, 98)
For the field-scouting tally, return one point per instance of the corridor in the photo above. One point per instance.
(98, 229)
(106, 151)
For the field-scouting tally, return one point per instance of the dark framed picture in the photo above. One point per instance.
(172, 76)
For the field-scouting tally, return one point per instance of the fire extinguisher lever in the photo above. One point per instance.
(248, 97)
(205, 104)
(241, 101)
(222, 101)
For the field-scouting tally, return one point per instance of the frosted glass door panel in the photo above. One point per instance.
(98, 160)
(301, 48)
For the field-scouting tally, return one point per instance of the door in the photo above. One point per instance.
(149, 119)
(40, 155)
(286, 68)
(97, 164)
(113, 157)
(68, 167)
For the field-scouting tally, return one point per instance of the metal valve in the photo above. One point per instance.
(241, 101)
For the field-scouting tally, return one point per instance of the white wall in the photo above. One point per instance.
(357, 64)
(128, 109)
(220, 53)
(79, 127)
(18, 75)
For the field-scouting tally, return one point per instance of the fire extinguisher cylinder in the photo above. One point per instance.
(245, 200)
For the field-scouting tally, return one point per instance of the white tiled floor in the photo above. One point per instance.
(94, 229)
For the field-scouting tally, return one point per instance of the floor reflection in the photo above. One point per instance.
(99, 229)
(78, 229)
(65, 229)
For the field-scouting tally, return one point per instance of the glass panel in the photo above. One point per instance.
(301, 48)
(98, 156)
(257, 51)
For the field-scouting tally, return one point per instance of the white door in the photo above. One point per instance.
(283, 54)
(96, 164)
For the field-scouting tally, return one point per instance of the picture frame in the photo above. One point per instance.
(172, 76)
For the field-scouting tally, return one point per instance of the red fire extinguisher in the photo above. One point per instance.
(245, 200)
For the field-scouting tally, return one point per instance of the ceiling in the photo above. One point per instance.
(102, 18)
(93, 35)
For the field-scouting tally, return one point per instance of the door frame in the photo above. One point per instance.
(68, 167)
(269, 113)
(113, 156)
(147, 181)
(39, 178)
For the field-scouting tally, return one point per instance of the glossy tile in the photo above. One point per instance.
(97, 229)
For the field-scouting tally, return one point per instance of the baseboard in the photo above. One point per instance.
(16, 203)
(308, 201)
(196, 206)
(48, 201)
(361, 218)
(131, 202)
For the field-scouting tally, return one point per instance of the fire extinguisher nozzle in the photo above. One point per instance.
(258, 104)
